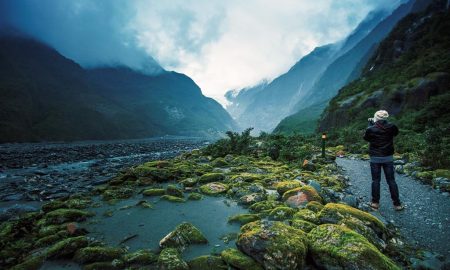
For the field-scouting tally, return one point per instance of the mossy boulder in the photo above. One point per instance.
(219, 162)
(264, 206)
(307, 215)
(31, 263)
(98, 254)
(60, 216)
(173, 190)
(183, 235)
(335, 212)
(207, 262)
(140, 257)
(301, 196)
(170, 259)
(338, 247)
(67, 247)
(195, 196)
(171, 198)
(239, 260)
(314, 206)
(154, 192)
(214, 188)
(274, 244)
(281, 213)
(303, 225)
(117, 193)
(284, 186)
(211, 177)
(442, 173)
(364, 230)
(189, 182)
(243, 218)
(252, 198)
(113, 265)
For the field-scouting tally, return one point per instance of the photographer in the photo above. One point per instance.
(380, 134)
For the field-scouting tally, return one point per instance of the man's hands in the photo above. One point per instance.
(371, 121)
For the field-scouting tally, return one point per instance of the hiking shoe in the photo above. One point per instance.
(399, 207)
(374, 206)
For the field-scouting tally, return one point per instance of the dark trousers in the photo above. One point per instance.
(388, 168)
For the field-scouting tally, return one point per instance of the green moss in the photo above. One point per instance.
(31, 263)
(219, 162)
(211, 177)
(170, 259)
(60, 216)
(442, 173)
(183, 235)
(307, 215)
(207, 262)
(281, 213)
(114, 265)
(314, 206)
(50, 230)
(117, 193)
(214, 188)
(335, 212)
(195, 196)
(51, 239)
(239, 260)
(264, 205)
(144, 204)
(140, 257)
(305, 193)
(97, 254)
(334, 246)
(189, 182)
(172, 199)
(67, 247)
(173, 190)
(361, 228)
(284, 186)
(303, 225)
(154, 192)
(243, 218)
(53, 205)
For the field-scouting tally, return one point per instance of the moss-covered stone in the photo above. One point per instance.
(338, 247)
(284, 186)
(307, 215)
(183, 235)
(299, 197)
(170, 259)
(273, 244)
(243, 218)
(51, 239)
(49, 230)
(189, 182)
(117, 193)
(114, 265)
(442, 173)
(98, 254)
(144, 204)
(60, 216)
(239, 260)
(172, 199)
(173, 190)
(214, 188)
(31, 263)
(363, 229)
(335, 212)
(281, 213)
(219, 162)
(154, 192)
(264, 205)
(140, 257)
(314, 206)
(67, 247)
(207, 262)
(211, 177)
(303, 225)
(252, 198)
(195, 196)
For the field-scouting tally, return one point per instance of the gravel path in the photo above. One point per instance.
(426, 219)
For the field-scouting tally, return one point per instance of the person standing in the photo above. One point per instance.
(380, 135)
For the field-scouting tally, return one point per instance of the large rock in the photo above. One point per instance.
(273, 244)
(301, 196)
(337, 247)
(239, 260)
(207, 262)
(214, 188)
(183, 235)
(170, 259)
(284, 186)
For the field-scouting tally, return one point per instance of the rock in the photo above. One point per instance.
(30, 263)
(60, 216)
(281, 213)
(284, 186)
(219, 162)
(308, 166)
(67, 247)
(334, 213)
(243, 218)
(211, 177)
(140, 257)
(364, 230)
(303, 225)
(273, 244)
(15, 211)
(195, 196)
(441, 183)
(183, 235)
(172, 199)
(114, 265)
(350, 200)
(399, 162)
(264, 206)
(214, 188)
(252, 198)
(315, 185)
(314, 206)
(170, 259)
(239, 260)
(338, 247)
(399, 169)
(118, 193)
(144, 204)
(299, 197)
(97, 254)
(189, 182)
(154, 192)
(173, 190)
(307, 215)
(207, 262)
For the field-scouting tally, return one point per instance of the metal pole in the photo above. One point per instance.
(324, 137)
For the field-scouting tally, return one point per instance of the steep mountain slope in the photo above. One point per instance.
(45, 96)
(343, 70)
(409, 75)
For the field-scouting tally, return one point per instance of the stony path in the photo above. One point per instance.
(425, 221)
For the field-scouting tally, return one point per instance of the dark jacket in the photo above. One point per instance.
(381, 135)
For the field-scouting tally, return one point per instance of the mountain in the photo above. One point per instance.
(46, 97)
(263, 106)
(409, 76)
(342, 71)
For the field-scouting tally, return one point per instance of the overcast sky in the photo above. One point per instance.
(222, 45)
